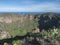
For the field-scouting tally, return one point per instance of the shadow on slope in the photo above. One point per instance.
(49, 21)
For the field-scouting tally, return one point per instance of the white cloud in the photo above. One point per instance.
(42, 7)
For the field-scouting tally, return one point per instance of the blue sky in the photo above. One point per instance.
(29, 5)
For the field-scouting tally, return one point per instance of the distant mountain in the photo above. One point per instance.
(23, 13)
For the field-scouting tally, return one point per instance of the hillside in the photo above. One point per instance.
(28, 26)
(12, 22)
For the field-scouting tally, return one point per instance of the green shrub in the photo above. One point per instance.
(17, 42)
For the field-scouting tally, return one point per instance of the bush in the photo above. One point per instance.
(17, 42)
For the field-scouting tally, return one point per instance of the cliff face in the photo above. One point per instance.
(12, 25)
(12, 18)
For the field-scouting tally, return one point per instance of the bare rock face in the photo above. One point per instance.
(8, 20)
(37, 30)
(4, 35)
(12, 18)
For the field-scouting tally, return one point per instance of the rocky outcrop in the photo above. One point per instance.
(4, 35)
(36, 30)
(12, 18)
